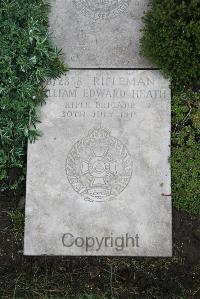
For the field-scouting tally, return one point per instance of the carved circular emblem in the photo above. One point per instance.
(101, 9)
(99, 166)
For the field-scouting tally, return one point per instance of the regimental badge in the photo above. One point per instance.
(101, 9)
(99, 166)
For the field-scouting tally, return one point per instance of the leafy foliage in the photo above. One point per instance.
(171, 39)
(28, 58)
(186, 151)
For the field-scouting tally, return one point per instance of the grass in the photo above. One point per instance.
(88, 278)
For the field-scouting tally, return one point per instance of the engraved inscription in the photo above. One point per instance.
(99, 166)
(101, 9)
(106, 96)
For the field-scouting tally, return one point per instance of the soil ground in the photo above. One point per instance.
(96, 277)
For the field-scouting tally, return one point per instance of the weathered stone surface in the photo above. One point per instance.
(101, 34)
(101, 168)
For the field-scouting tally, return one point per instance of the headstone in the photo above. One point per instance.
(98, 180)
(99, 33)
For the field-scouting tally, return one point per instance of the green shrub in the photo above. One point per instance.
(186, 151)
(28, 58)
(171, 39)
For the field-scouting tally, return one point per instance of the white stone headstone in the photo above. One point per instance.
(98, 180)
(94, 33)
